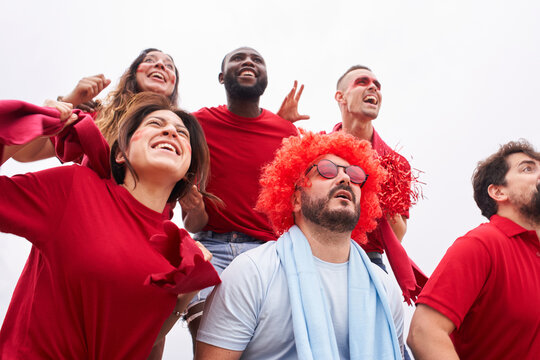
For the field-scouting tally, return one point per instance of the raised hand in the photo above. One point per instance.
(289, 106)
(87, 88)
(193, 200)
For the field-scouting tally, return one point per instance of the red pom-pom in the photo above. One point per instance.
(402, 188)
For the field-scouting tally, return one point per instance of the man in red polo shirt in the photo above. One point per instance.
(482, 301)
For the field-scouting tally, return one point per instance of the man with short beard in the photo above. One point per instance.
(242, 137)
(313, 293)
(482, 301)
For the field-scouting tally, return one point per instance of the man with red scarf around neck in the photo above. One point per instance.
(359, 99)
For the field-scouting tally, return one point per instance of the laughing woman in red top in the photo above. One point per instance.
(152, 71)
(105, 270)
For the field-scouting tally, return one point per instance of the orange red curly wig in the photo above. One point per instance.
(279, 178)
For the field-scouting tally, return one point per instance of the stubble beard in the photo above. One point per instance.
(531, 209)
(340, 220)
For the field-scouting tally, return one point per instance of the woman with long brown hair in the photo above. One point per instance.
(152, 70)
(106, 268)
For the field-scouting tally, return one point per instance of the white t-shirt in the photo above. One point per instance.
(250, 310)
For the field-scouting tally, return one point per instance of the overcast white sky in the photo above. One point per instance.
(458, 79)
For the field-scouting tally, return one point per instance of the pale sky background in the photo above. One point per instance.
(459, 78)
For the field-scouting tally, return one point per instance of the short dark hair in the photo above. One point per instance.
(352, 68)
(138, 109)
(227, 54)
(493, 171)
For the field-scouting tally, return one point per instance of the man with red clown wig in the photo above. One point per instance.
(313, 293)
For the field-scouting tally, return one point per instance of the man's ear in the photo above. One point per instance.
(497, 192)
(338, 96)
(220, 78)
(296, 202)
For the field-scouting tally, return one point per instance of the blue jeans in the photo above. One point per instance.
(224, 248)
(376, 258)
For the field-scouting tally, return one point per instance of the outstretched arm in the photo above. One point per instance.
(40, 148)
(429, 335)
(35, 150)
(193, 211)
(289, 106)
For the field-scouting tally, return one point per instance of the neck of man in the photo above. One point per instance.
(248, 108)
(329, 246)
(511, 213)
(152, 194)
(358, 126)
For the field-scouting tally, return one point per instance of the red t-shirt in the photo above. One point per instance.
(81, 294)
(488, 285)
(239, 147)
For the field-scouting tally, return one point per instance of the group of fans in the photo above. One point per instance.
(290, 225)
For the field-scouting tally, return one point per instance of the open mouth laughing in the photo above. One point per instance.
(167, 146)
(157, 75)
(371, 99)
(248, 72)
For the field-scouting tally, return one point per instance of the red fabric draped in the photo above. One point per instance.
(191, 271)
(22, 122)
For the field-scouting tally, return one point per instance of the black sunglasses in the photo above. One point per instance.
(328, 170)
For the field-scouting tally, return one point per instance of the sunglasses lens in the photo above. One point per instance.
(327, 169)
(356, 174)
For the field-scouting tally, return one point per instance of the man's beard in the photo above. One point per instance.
(340, 220)
(531, 209)
(235, 90)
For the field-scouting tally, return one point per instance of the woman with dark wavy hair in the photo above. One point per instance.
(107, 274)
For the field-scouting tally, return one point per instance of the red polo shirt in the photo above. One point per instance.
(488, 285)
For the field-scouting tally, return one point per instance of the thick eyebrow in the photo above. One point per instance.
(527, 162)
